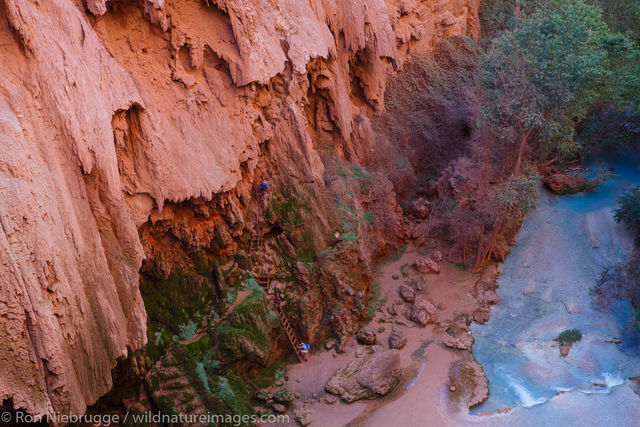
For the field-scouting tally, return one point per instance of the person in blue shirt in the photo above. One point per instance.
(304, 348)
(263, 187)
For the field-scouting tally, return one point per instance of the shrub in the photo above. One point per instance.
(628, 211)
(569, 336)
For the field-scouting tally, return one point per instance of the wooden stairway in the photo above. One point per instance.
(264, 280)
(295, 343)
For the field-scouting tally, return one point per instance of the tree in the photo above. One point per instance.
(544, 75)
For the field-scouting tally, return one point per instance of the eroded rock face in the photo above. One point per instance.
(367, 377)
(112, 120)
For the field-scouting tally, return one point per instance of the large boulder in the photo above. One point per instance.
(367, 377)
(566, 184)
(422, 312)
(366, 336)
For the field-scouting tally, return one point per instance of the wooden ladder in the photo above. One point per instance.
(290, 334)
(264, 280)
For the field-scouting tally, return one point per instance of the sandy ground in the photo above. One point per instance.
(421, 399)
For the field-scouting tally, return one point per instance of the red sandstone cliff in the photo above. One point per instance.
(112, 110)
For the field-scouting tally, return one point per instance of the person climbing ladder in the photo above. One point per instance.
(304, 348)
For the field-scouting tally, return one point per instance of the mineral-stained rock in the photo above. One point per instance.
(397, 339)
(368, 377)
(422, 312)
(566, 184)
(427, 265)
(366, 336)
(407, 293)
(469, 381)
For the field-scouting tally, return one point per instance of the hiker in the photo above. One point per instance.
(304, 348)
(263, 187)
(277, 299)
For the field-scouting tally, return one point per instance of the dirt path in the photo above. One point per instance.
(421, 399)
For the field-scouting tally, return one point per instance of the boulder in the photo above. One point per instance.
(366, 336)
(368, 377)
(406, 293)
(419, 230)
(303, 416)
(422, 312)
(566, 184)
(420, 208)
(468, 382)
(458, 335)
(279, 408)
(436, 256)
(427, 265)
(397, 339)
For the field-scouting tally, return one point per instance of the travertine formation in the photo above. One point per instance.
(111, 110)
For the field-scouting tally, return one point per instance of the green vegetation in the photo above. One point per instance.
(545, 74)
(569, 336)
(628, 211)
(519, 194)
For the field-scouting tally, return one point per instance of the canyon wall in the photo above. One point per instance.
(122, 121)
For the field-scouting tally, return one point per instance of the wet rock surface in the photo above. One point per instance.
(468, 383)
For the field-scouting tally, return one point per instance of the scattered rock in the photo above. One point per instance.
(406, 293)
(330, 400)
(567, 184)
(303, 416)
(468, 382)
(366, 336)
(427, 265)
(381, 328)
(395, 277)
(392, 310)
(436, 256)
(397, 339)
(613, 340)
(279, 408)
(263, 395)
(422, 312)
(368, 377)
(283, 396)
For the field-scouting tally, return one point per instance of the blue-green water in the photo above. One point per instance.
(545, 282)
